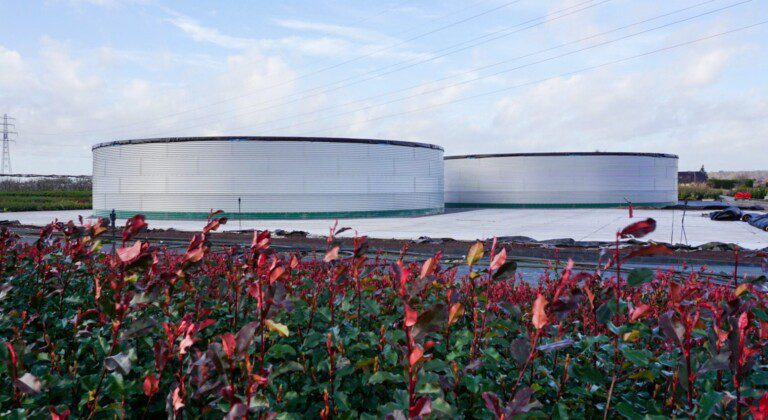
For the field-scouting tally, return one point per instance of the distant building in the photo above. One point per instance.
(693, 177)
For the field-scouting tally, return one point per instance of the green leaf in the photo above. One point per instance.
(431, 320)
(281, 329)
(281, 351)
(138, 328)
(605, 312)
(493, 354)
(707, 404)
(561, 412)
(342, 401)
(638, 357)
(627, 411)
(119, 362)
(381, 377)
(287, 367)
(472, 383)
(475, 253)
(718, 362)
(441, 409)
(313, 340)
(506, 271)
(429, 388)
(590, 374)
(639, 276)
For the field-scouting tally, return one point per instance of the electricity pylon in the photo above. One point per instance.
(6, 166)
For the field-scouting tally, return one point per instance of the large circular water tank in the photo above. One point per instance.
(267, 177)
(560, 180)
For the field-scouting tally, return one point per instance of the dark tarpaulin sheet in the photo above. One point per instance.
(711, 205)
(759, 221)
(732, 213)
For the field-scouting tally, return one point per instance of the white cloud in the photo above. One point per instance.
(360, 34)
(152, 60)
(653, 111)
(11, 67)
(343, 42)
(691, 105)
(202, 33)
(108, 3)
(68, 102)
(704, 70)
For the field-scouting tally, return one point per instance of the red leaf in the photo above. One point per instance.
(428, 267)
(416, 355)
(214, 224)
(743, 321)
(294, 262)
(228, 343)
(422, 407)
(196, 249)
(456, 311)
(244, 337)
(640, 311)
(332, 254)
(675, 292)
(499, 259)
(237, 412)
(177, 398)
(492, 403)
(763, 330)
(261, 240)
(275, 274)
(194, 255)
(129, 253)
(760, 411)
(539, 317)
(133, 226)
(64, 415)
(14, 358)
(638, 229)
(151, 385)
(410, 316)
(206, 323)
(185, 344)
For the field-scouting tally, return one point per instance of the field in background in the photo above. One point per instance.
(716, 187)
(44, 193)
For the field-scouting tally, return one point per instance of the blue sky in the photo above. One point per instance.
(482, 76)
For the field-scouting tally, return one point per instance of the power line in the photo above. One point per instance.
(382, 12)
(374, 74)
(360, 57)
(308, 74)
(496, 64)
(535, 82)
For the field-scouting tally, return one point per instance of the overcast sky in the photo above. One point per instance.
(482, 76)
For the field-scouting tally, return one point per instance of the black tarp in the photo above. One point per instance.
(712, 205)
(732, 213)
(759, 221)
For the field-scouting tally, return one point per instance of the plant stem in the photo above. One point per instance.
(610, 395)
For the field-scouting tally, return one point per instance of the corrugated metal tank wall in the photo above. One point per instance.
(560, 180)
(287, 178)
